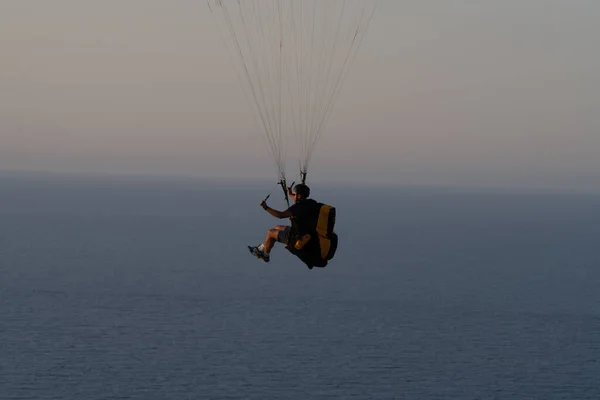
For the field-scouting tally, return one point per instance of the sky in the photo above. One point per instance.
(447, 92)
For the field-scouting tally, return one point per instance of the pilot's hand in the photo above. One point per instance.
(264, 205)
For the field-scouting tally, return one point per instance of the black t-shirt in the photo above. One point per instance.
(304, 215)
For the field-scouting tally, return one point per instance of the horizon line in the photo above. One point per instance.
(223, 181)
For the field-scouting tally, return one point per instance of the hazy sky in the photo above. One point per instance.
(456, 92)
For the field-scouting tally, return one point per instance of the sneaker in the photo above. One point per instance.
(259, 254)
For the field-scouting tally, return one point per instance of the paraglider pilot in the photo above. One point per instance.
(302, 216)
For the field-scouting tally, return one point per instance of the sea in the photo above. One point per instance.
(143, 288)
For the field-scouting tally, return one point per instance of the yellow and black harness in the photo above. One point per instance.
(318, 245)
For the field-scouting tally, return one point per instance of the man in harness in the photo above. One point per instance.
(302, 238)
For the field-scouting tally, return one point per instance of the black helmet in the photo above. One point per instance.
(302, 190)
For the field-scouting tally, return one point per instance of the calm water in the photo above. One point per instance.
(123, 290)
